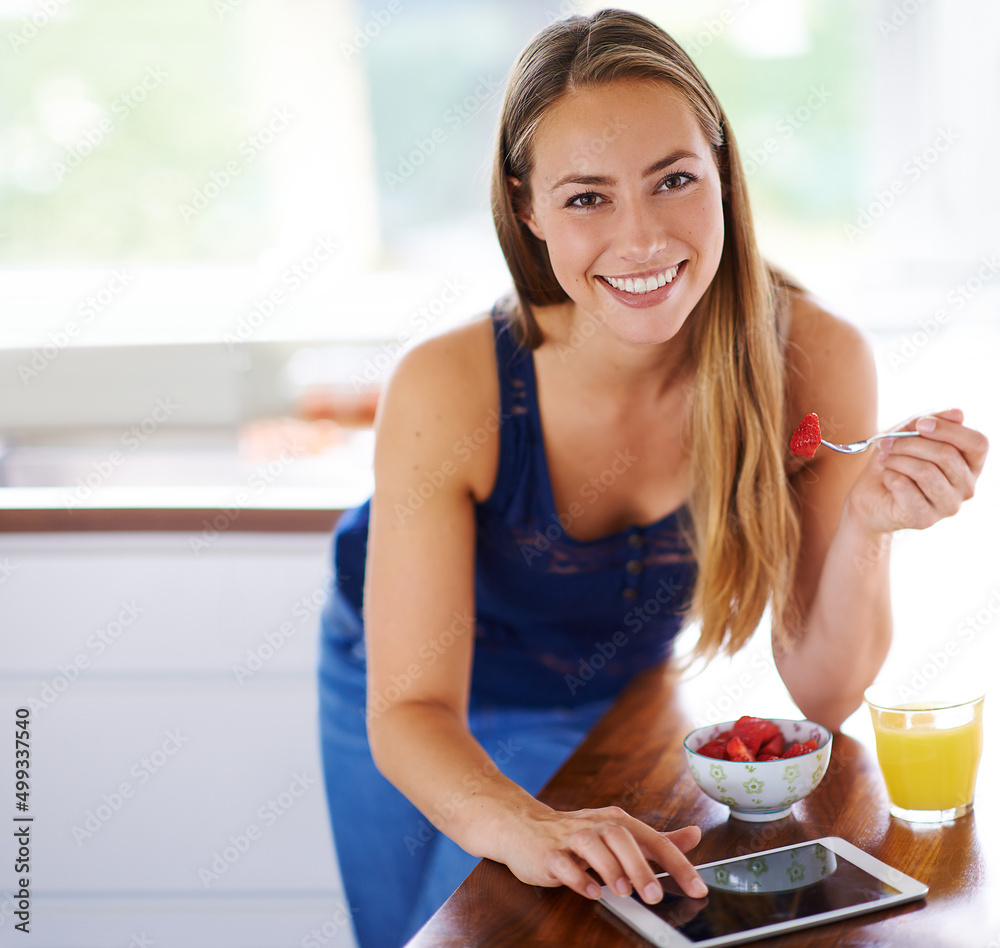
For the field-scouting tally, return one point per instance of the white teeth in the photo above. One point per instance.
(639, 286)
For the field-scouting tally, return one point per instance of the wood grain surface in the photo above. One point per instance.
(634, 758)
(165, 519)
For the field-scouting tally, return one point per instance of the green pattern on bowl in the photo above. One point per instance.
(753, 786)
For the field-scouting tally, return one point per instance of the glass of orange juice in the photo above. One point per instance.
(929, 755)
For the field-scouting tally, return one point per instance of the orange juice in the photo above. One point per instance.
(927, 764)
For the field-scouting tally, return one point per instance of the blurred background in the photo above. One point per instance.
(221, 223)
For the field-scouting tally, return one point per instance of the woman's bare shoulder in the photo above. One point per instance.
(457, 367)
(443, 391)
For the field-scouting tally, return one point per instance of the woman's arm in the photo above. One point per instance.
(420, 626)
(849, 509)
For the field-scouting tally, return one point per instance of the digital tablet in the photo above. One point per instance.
(768, 893)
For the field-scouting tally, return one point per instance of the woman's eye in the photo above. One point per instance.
(590, 199)
(674, 182)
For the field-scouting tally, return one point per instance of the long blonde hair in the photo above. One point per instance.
(745, 530)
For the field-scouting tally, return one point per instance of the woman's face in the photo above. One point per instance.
(626, 195)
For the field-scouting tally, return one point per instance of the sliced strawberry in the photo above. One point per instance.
(807, 436)
(797, 750)
(774, 747)
(724, 736)
(754, 732)
(737, 750)
(716, 749)
(762, 757)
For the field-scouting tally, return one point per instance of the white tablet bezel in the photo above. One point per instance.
(662, 934)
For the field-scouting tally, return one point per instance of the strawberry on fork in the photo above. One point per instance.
(807, 438)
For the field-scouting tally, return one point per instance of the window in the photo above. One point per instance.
(230, 153)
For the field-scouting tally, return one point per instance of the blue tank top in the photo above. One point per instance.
(559, 621)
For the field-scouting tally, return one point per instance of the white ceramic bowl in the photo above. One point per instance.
(761, 790)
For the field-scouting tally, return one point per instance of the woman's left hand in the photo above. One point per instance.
(914, 482)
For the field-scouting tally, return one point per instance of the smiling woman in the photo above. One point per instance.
(662, 183)
(644, 325)
(197, 195)
(622, 225)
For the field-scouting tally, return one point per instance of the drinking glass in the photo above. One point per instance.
(929, 755)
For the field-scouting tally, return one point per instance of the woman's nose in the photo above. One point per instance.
(640, 234)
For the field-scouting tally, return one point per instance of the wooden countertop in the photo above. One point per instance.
(634, 758)
(39, 510)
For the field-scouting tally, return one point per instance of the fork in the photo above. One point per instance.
(857, 447)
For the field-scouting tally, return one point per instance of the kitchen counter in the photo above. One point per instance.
(634, 759)
(270, 484)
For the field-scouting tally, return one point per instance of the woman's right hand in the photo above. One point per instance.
(550, 847)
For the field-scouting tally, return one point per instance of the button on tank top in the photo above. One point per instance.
(558, 621)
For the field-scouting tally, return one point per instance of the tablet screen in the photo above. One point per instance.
(767, 889)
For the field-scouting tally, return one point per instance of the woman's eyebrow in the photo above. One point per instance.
(605, 181)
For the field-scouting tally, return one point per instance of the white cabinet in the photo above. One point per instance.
(175, 798)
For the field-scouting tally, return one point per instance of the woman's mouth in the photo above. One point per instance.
(644, 289)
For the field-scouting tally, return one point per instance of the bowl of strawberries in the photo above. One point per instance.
(758, 767)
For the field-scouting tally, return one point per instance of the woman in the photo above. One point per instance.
(613, 435)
